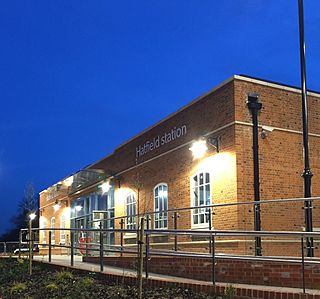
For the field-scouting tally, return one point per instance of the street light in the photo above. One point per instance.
(32, 216)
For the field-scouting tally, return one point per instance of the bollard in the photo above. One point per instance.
(72, 248)
(101, 247)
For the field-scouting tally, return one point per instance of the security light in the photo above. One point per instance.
(56, 206)
(105, 187)
(198, 148)
(32, 216)
(78, 208)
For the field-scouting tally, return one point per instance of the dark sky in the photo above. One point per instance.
(77, 78)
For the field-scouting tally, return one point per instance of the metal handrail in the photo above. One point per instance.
(217, 205)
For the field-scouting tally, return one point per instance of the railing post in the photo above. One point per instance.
(49, 253)
(302, 267)
(175, 227)
(121, 236)
(140, 252)
(72, 248)
(20, 241)
(209, 227)
(101, 246)
(213, 256)
(147, 247)
(5, 248)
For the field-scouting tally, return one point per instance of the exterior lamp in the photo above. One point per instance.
(56, 206)
(78, 208)
(32, 216)
(198, 148)
(105, 187)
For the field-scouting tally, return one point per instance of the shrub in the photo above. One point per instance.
(52, 287)
(87, 282)
(229, 292)
(18, 288)
(63, 276)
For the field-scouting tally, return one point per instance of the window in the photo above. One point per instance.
(62, 231)
(43, 225)
(161, 204)
(131, 208)
(200, 196)
(52, 224)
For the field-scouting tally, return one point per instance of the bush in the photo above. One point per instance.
(18, 288)
(229, 292)
(62, 276)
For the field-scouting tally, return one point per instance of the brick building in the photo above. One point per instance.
(157, 170)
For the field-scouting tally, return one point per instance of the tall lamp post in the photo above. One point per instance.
(307, 174)
(32, 216)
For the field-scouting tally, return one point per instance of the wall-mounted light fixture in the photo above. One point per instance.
(105, 187)
(215, 142)
(266, 130)
(78, 207)
(56, 206)
(200, 147)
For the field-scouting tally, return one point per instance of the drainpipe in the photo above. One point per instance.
(307, 174)
(255, 106)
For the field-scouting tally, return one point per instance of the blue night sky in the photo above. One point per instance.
(77, 78)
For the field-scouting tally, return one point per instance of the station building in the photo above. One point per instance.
(199, 155)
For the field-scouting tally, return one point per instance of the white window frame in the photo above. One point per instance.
(160, 218)
(52, 225)
(131, 206)
(62, 231)
(201, 212)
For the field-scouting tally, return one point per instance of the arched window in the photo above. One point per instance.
(131, 211)
(200, 196)
(52, 225)
(161, 205)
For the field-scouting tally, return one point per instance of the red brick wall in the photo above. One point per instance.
(283, 274)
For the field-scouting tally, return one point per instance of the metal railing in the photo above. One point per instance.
(101, 249)
(96, 241)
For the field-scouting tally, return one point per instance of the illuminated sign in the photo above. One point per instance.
(160, 140)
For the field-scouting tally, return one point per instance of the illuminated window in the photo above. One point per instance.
(62, 231)
(161, 205)
(52, 225)
(131, 210)
(200, 196)
(43, 225)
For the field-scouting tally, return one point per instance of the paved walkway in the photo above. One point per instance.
(78, 264)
